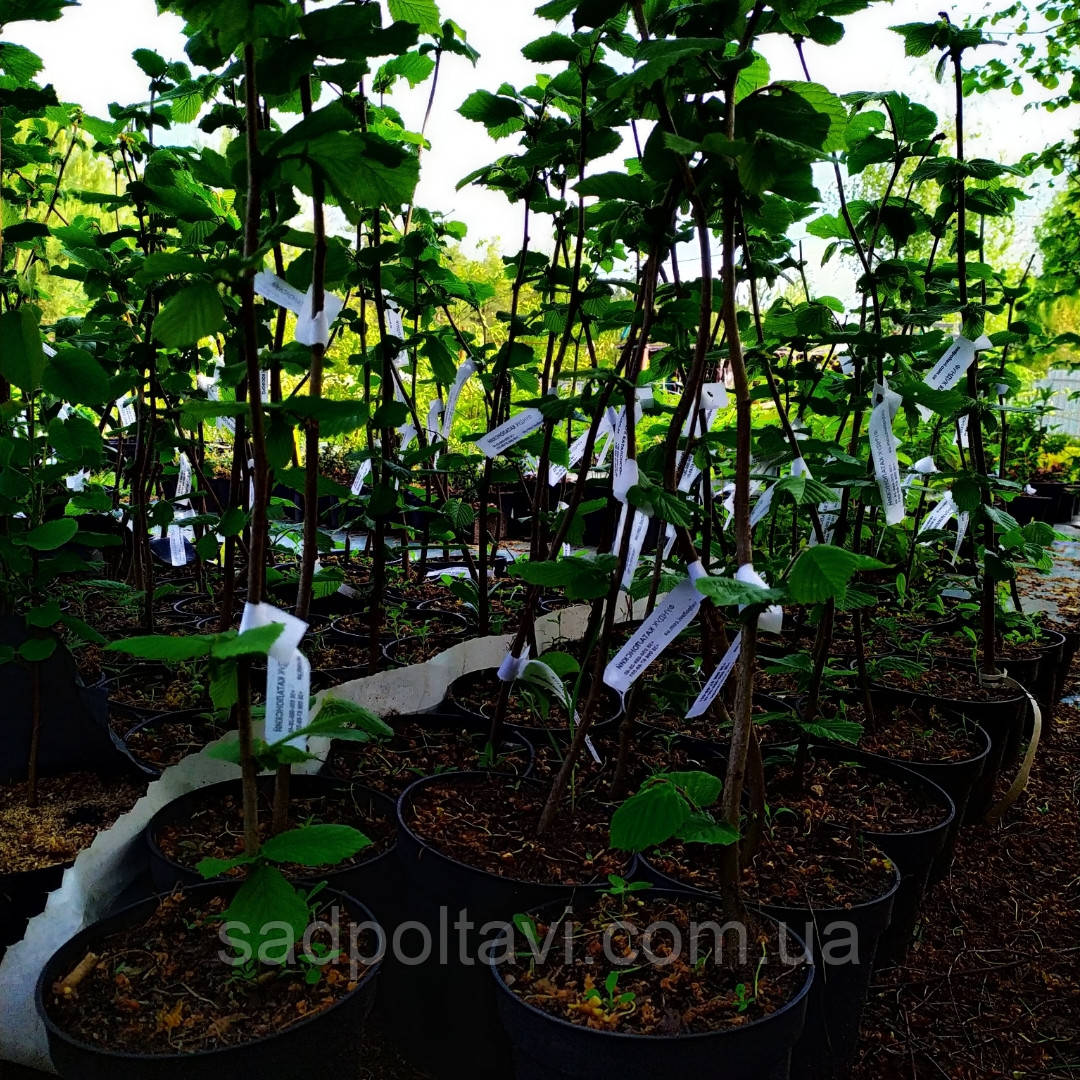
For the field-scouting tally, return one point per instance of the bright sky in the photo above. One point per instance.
(87, 56)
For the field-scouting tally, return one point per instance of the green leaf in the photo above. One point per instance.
(261, 904)
(460, 515)
(1005, 522)
(211, 867)
(648, 818)
(421, 13)
(74, 376)
(315, 845)
(727, 592)
(702, 829)
(36, 649)
(702, 788)
(37, 10)
(163, 646)
(44, 615)
(823, 573)
(500, 115)
(255, 642)
(614, 185)
(340, 718)
(150, 63)
(22, 360)
(551, 48)
(51, 534)
(192, 314)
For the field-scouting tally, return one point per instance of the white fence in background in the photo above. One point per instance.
(1067, 413)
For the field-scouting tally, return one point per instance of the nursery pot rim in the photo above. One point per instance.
(658, 1040)
(762, 905)
(113, 920)
(475, 775)
(943, 798)
(149, 831)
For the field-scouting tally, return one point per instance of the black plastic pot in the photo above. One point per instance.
(538, 736)
(374, 879)
(956, 778)
(838, 995)
(913, 852)
(323, 1040)
(1001, 720)
(148, 722)
(22, 896)
(546, 1046)
(442, 1011)
(450, 620)
(1059, 496)
(1028, 508)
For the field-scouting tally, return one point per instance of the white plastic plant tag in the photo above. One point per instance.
(408, 434)
(449, 571)
(463, 372)
(431, 425)
(962, 431)
(674, 613)
(886, 463)
(936, 519)
(513, 431)
(639, 528)
(714, 396)
(77, 481)
(177, 553)
(761, 507)
(263, 614)
(47, 349)
(126, 411)
(264, 385)
(771, 620)
(512, 666)
(314, 328)
(962, 523)
(556, 473)
(361, 475)
(828, 512)
(716, 679)
(954, 362)
(288, 687)
(925, 465)
(592, 750)
(278, 291)
(1029, 490)
(800, 468)
(183, 477)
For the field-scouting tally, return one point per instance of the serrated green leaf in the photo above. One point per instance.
(823, 573)
(648, 818)
(163, 646)
(315, 845)
(51, 535)
(261, 905)
(191, 315)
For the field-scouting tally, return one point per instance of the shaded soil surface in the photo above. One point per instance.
(157, 987)
(668, 994)
(71, 811)
(489, 824)
(992, 986)
(216, 830)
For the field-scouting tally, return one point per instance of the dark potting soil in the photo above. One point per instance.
(823, 868)
(949, 684)
(847, 796)
(491, 825)
(414, 751)
(773, 727)
(216, 829)
(171, 737)
(71, 811)
(161, 987)
(916, 732)
(160, 689)
(416, 649)
(668, 994)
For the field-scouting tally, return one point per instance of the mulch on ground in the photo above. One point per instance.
(992, 986)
